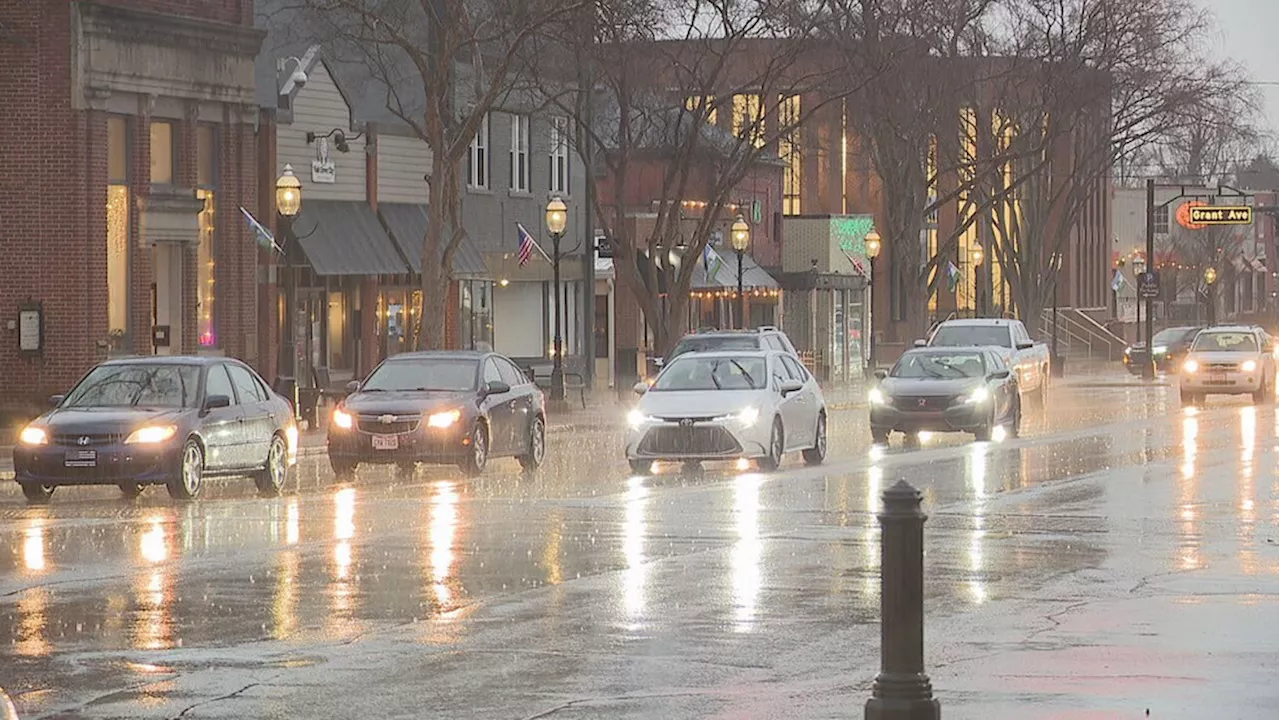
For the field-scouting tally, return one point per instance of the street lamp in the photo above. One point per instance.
(872, 242)
(740, 237)
(288, 204)
(1210, 277)
(557, 218)
(976, 256)
(1055, 362)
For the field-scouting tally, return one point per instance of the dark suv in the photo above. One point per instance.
(761, 338)
(1171, 345)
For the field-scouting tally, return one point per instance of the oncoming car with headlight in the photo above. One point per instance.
(744, 405)
(170, 421)
(1229, 360)
(439, 407)
(946, 389)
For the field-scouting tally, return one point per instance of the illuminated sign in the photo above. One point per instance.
(1220, 215)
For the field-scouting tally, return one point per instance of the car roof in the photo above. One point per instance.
(948, 349)
(730, 353)
(1231, 328)
(978, 321)
(441, 355)
(169, 360)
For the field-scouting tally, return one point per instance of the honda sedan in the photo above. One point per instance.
(171, 421)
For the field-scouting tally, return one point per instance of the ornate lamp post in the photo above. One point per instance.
(1210, 277)
(557, 218)
(1139, 267)
(872, 242)
(288, 204)
(976, 256)
(740, 237)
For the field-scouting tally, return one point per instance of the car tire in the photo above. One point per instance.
(1189, 399)
(1042, 396)
(274, 474)
(189, 480)
(1263, 394)
(343, 469)
(880, 436)
(532, 460)
(983, 433)
(1015, 418)
(817, 454)
(474, 463)
(777, 445)
(37, 494)
(639, 466)
(131, 490)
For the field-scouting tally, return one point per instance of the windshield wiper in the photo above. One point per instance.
(750, 381)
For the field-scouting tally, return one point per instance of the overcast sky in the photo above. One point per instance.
(1247, 31)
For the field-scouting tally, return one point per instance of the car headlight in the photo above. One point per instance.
(979, 395)
(635, 419)
(1160, 349)
(1249, 366)
(746, 416)
(444, 419)
(151, 434)
(1190, 366)
(876, 397)
(343, 420)
(33, 436)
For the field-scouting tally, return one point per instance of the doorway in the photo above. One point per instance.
(166, 299)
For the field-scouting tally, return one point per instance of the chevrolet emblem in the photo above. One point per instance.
(387, 419)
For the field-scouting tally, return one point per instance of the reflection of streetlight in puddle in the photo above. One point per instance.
(978, 486)
(443, 529)
(748, 549)
(633, 537)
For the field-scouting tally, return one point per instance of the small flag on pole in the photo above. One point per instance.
(858, 267)
(527, 246)
(1117, 282)
(953, 276)
(711, 263)
(261, 235)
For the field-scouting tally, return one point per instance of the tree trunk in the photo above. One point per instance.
(438, 244)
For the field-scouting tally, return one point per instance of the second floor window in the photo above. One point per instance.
(478, 158)
(520, 153)
(559, 175)
(162, 155)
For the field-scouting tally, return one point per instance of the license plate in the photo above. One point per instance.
(82, 458)
(386, 442)
(1218, 378)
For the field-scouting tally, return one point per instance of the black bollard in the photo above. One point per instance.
(902, 691)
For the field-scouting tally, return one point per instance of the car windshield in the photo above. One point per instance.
(1164, 337)
(697, 372)
(972, 335)
(714, 343)
(1225, 342)
(455, 374)
(137, 385)
(939, 366)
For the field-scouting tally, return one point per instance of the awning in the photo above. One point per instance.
(347, 239)
(408, 225)
(726, 276)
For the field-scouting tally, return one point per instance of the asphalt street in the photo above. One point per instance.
(1119, 558)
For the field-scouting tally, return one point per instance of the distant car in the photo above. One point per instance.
(171, 421)
(946, 389)
(761, 338)
(1170, 345)
(1229, 360)
(1026, 358)
(440, 407)
(749, 404)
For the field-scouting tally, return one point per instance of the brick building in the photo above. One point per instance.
(130, 148)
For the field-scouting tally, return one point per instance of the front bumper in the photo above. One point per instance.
(956, 418)
(424, 445)
(703, 440)
(97, 465)
(1212, 382)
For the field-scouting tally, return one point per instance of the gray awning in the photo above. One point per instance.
(408, 225)
(347, 239)
(753, 276)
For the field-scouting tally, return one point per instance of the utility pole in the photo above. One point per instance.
(1149, 365)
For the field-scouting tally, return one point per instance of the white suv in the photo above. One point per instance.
(1229, 360)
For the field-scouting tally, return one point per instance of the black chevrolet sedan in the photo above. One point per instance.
(946, 389)
(440, 407)
(171, 421)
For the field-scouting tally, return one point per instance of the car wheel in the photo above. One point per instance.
(1015, 418)
(639, 466)
(343, 469)
(1189, 399)
(275, 473)
(1263, 393)
(818, 453)
(36, 493)
(880, 436)
(1042, 397)
(777, 443)
(983, 433)
(406, 467)
(187, 483)
(474, 464)
(537, 446)
(131, 490)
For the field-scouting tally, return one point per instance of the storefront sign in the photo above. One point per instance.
(323, 169)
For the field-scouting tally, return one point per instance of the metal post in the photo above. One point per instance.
(977, 290)
(742, 299)
(871, 317)
(1211, 310)
(291, 309)
(557, 362)
(1149, 366)
(902, 690)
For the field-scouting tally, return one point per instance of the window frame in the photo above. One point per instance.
(173, 151)
(253, 384)
(478, 157)
(215, 367)
(519, 175)
(558, 157)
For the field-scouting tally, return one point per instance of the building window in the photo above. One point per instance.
(205, 178)
(747, 119)
(1160, 219)
(520, 153)
(117, 233)
(559, 176)
(162, 155)
(478, 159)
(475, 316)
(338, 345)
(705, 105)
(789, 151)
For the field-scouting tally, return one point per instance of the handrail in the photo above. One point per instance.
(1080, 328)
(1100, 328)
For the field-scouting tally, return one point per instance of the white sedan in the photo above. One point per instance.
(741, 405)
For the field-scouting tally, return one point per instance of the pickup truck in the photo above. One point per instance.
(1028, 359)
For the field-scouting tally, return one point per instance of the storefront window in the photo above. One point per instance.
(394, 320)
(464, 315)
(482, 314)
(338, 345)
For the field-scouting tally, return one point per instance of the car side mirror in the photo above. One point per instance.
(921, 343)
(1025, 345)
(56, 400)
(999, 375)
(640, 388)
(213, 402)
(353, 386)
(881, 374)
(497, 388)
(657, 362)
(790, 386)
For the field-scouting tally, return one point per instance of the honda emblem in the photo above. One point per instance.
(84, 440)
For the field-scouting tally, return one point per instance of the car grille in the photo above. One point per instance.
(691, 419)
(917, 403)
(399, 425)
(1221, 367)
(695, 440)
(87, 439)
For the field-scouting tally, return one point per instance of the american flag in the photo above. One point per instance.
(526, 245)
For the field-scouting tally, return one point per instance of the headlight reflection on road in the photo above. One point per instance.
(344, 528)
(871, 533)
(978, 485)
(33, 620)
(633, 538)
(443, 529)
(1188, 552)
(1247, 553)
(747, 550)
(153, 590)
(33, 546)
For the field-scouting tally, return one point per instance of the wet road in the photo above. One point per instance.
(1098, 563)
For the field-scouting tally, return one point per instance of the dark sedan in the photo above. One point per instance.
(1170, 344)
(458, 408)
(159, 421)
(946, 389)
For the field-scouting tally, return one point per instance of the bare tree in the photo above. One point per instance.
(441, 66)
